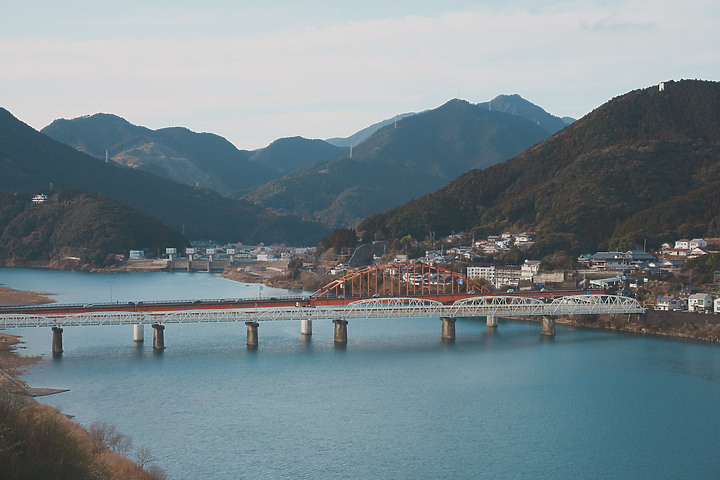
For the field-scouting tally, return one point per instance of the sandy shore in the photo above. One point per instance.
(9, 296)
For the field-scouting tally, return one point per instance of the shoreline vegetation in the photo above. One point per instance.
(39, 441)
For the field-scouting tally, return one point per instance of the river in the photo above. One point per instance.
(396, 403)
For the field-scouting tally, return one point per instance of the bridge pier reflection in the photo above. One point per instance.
(57, 346)
(252, 333)
(448, 328)
(548, 325)
(340, 331)
(158, 336)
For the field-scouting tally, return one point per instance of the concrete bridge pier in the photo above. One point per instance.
(138, 333)
(158, 336)
(548, 325)
(57, 347)
(305, 327)
(492, 321)
(252, 333)
(448, 328)
(340, 331)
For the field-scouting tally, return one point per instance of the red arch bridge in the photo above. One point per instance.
(390, 291)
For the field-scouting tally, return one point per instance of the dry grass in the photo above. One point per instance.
(8, 296)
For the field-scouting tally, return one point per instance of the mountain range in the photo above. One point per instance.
(33, 162)
(188, 157)
(407, 159)
(316, 179)
(642, 169)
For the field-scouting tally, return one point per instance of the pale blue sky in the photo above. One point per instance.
(253, 71)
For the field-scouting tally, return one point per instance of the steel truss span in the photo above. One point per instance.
(400, 279)
(369, 308)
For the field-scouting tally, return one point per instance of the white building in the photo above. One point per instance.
(40, 198)
(717, 305)
(486, 272)
(699, 302)
(697, 243)
(682, 244)
(529, 269)
(136, 255)
(670, 304)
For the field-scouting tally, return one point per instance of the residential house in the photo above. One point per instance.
(699, 302)
(717, 305)
(682, 244)
(673, 304)
(697, 243)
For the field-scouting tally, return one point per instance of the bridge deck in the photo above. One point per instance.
(294, 309)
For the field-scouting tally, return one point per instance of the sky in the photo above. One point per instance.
(254, 72)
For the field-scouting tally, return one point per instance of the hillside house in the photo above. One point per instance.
(716, 309)
(617, 260)
(697, 243)
(40, 198)
(699, 302)
(682, 244)
(672, 304)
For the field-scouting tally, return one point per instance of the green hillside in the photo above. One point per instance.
(76, 224)
(401, 161)
(644, 166)
(31, 161)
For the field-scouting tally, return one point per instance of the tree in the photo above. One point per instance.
(294, 267)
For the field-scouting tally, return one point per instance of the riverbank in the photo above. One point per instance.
(690, 325)
(10, 296)
(38, 441)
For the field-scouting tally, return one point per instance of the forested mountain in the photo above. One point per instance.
(286, 155)
(71, 223)
(30, 160)
(643, 167)
(400, 161)
(176, 153)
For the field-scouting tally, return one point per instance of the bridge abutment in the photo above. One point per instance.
(57, 346)
(158, 336)
(340, 331)
(305, 327)
(492, 321)
(138, 333)
(548, 325)
(252, 334)
(448, 328)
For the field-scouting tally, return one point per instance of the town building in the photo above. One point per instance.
(699, 302)
(673, 304)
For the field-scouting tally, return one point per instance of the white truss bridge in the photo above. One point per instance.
(481, 306)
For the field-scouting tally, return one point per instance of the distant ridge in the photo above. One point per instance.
(32, 161)
(360, 136)
(286, 155)
(640, 170)
(176, 153)
(399, 161)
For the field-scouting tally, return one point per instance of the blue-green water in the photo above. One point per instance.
(396, 403)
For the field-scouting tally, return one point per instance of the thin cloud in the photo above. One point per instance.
(330, 78)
